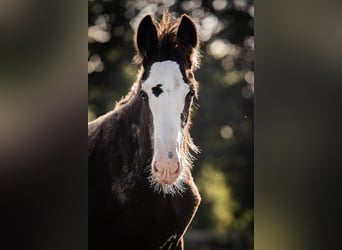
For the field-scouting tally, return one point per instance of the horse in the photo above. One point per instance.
(141, 191)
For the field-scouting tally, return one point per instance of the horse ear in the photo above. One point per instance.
(187, 33)
(146, 40)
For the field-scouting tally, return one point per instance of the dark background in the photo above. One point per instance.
(43, 117)
(222, 123)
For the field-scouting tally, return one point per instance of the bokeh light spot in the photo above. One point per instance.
(226, 132)
(218, 48)
(233, 77)
(191, 5)
(227, 63)
(220, 4)
(249, 77)
(95, 64)
(247, 91)
(95, 34)
(240, 4)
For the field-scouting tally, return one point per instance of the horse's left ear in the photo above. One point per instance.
(187, 33)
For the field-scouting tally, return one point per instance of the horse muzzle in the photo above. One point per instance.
(166, 171)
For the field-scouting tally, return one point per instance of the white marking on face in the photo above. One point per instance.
(166, 92)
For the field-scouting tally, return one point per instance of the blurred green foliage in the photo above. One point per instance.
(222, 123)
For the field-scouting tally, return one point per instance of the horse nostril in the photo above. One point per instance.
(155, 169)
(177, 169)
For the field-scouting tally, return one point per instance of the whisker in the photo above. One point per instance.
(175, 189)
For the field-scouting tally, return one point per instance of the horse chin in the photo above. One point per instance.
(174, 189)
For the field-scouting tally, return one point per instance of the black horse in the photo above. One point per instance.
(141, 191)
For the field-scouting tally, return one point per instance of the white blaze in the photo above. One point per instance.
(166, 111)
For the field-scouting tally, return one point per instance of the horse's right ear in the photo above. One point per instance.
(146, 39)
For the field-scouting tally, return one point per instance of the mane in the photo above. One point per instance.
(167, 42)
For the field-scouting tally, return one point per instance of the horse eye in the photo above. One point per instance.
(192, 92)
(143, 94)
